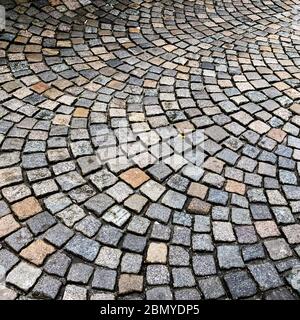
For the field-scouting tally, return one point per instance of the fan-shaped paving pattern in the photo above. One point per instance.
(78, 75)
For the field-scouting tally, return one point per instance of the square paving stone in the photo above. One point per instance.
(204, 265)
(245, 234)
(157, 274)
(252, 252)
(99, 203)
(183, 277)
(131, 263)
(202, 242)
(57, 202)
(223, 231)
(70, 180)
(134, 243)
(89, 226)
(26, 208)
(109, 257)
(23, 276)
(159, 171)
(120, 191)
(104, 279)
(174, 199)
(8, 224)
(80, 273)
(40, 223)
(47, 287)
(217, 196)
(71, 215)
(116, 215)
(136, 202)
(138, 225)
(109, 235)
(8, 259)
(58, 235)
(19, 239)
(57, 264)
(73, 292)
(10, 176)
(37, 252)
(278, 249)
(240, 284)
(178, 256)
(152, 189)
(158, 212)
(229, 256)
(211, 288)
(292, 233)
(181, 235)
(103, 179)
(159, 293)
(129, 283)
(260, 212)
(265, 275)
(187, 294)
(83, 247)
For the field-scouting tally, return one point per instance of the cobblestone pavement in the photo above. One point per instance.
(77, 224)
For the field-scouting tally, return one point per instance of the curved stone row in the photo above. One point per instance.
(98, 101)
